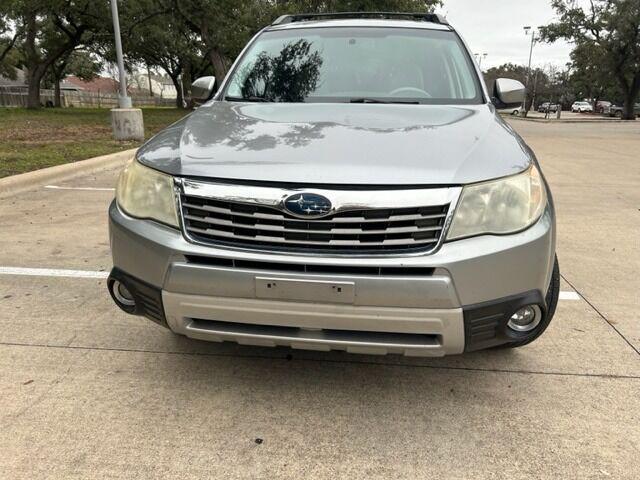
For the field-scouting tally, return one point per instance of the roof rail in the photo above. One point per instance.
(306, 17)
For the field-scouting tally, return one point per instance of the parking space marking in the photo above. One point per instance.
(569, 295)
(52, 272)
(95, 189)
(59, 272)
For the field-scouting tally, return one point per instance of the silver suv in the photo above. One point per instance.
(348, 186)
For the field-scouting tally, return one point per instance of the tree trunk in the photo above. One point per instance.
(630, 94)
(34, 79)
(33, 74)
(149, 77)
(56, 92)
(628, 112)
(630, 99)
(179, 96)
(219, 65)
(187, 80)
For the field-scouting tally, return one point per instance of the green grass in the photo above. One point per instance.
(34, 139)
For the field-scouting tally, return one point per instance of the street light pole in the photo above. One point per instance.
(126, 122)
(533, 41)
(479, 57)
(123, 100)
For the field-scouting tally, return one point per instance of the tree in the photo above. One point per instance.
(507, 70)
(53, 29)
(157, 38)
(10, 33)
(537, 79)
(609, 31)
(588, 80)
(287, 77)
(80, 63)
(225, 26)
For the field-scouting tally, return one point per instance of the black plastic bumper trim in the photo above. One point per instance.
(485, 324)
(147, 297)
(311, 268)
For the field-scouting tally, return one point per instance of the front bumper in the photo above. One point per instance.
(457, 299)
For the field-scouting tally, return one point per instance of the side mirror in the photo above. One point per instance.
(508, 93)
(202, 89)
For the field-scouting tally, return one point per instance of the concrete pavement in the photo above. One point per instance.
(88, 392)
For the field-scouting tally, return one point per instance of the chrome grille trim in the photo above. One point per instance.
(347, 243)
(280, 228)
(345, 219)
(361, 221)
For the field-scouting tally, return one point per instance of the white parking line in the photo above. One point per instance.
(57, 272)
(94, 189)
(52, 272)
(570, 295)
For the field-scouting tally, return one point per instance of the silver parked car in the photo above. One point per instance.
(348, 186)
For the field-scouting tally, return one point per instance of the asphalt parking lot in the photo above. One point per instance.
(89, 392)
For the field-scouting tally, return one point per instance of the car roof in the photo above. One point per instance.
(360, 22)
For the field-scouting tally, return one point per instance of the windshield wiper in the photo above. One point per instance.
(246, 99)
(375, 100)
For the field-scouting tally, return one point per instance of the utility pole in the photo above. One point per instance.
(123, 100)
(535, 89)
(533, 41)
(126, 122)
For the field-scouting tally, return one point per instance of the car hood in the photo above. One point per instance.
(339, 144)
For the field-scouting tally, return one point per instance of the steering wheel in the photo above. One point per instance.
(410, 90)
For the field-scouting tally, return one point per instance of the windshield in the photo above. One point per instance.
(339, 64)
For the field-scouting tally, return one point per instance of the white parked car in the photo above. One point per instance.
(581, 107)
(511, 111)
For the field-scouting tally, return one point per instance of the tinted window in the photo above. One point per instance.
(345, 64)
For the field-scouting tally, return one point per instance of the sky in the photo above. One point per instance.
(495, 27)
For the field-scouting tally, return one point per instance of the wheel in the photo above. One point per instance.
(619, 114)
(552, 302)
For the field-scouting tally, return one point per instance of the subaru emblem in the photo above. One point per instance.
(307, 205)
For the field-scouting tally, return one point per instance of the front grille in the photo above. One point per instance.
(368, 230)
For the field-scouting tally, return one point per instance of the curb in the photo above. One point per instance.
(23, 182)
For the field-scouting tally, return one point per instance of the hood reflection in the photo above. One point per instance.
(262, 127)
(339, 143)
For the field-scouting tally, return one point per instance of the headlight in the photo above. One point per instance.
(502, 206)
(145, 193)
